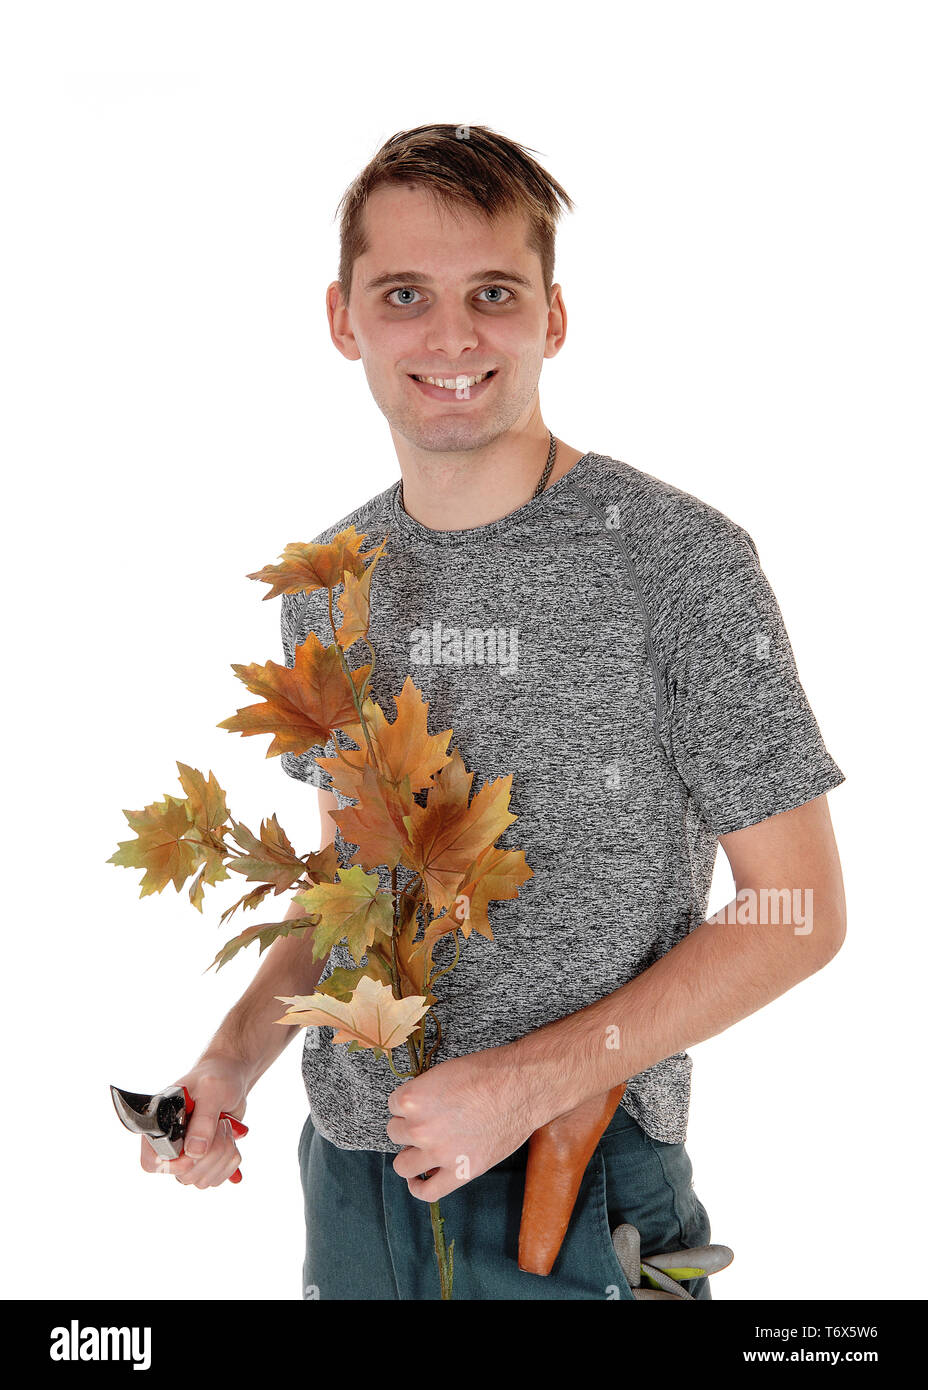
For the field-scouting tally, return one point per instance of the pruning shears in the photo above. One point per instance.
(163, 1117)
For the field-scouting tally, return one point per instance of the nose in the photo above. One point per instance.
(451, 331)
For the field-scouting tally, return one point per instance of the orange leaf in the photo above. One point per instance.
(447, 835)
(355, 603)
(206, 800)
(496, 874)
(269, 859)
(302, 706)
(404, 748)
(308, 566)
(376, 824)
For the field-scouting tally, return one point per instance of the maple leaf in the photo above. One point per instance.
(172, 848)
(320, 867)
(447, 834)
(308, 566)
(414, 959)
(266, 933)
(372, 1017)
(160, 848)
(346, 767)
(250, 900)
(354, 908)
(376, 824)
(270, 859)
(302, 706)
(342, 983)
(404, 748)
(355, 603)
(207, 810)
(206, 801)
(496, 874)
(213, 872)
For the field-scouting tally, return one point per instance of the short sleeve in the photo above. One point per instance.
(744, 737)
(294, 628)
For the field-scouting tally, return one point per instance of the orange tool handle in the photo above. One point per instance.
(558, 1155)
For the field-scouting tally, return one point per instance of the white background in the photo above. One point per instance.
(745, 282)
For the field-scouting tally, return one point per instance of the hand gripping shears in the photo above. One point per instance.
(163, 1117)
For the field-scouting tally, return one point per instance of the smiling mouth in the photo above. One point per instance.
(454, 383)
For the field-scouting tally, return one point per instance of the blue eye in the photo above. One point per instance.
(408, 289)
(402, 289)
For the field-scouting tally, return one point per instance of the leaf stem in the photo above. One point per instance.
(445, 968)
(351, 685)
(403, 1075)
(444, 1255)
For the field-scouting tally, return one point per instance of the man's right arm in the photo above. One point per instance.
(249, 1033)
(246, 1043)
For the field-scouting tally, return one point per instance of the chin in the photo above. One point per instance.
(449, 435)
(452, 439)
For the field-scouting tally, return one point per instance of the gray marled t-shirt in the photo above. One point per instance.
(615, 645)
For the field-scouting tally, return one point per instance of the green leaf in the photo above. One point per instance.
(160, 848)
(355, 909)
(342, 983)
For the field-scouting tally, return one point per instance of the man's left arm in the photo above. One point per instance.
(467, 1114)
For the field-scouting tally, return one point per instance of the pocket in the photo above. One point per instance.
(618, 1287)
(698, 1230)
(620, 1123)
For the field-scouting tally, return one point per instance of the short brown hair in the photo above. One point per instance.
(461, 166)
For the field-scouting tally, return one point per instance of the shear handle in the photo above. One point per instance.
(238, 1129)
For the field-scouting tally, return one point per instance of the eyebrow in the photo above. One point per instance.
(416, 277)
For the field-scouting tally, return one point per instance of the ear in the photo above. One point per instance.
(340, 323)
(557, 323)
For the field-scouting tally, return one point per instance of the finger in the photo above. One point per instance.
(397, 1100)
(154, 1163)
(398, 1131)
(432, 1189)
(148, 1158)
(412, 1162)
(215, 1166)
(218, 1173)
(201, 1130)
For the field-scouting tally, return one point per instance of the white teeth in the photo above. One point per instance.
(453, 383)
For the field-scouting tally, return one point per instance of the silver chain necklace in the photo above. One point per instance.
(543, 480)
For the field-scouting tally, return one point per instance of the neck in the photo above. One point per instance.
(454, 492)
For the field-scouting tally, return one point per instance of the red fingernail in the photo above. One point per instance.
(236, 1176)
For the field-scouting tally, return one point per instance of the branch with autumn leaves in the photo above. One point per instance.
(412, 808)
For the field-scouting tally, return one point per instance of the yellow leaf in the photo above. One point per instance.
(372, 1017)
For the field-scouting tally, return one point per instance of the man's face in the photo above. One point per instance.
(448, 296)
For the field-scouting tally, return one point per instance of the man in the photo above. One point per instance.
(613, 643)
